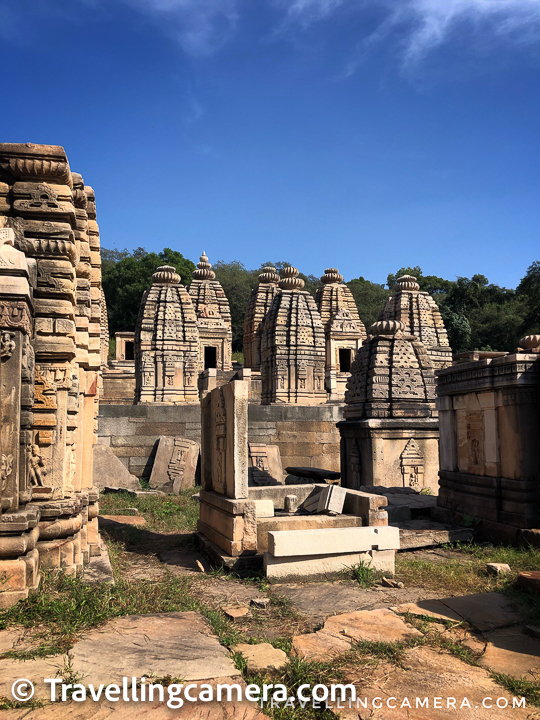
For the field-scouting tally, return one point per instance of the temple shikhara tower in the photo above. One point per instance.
(344, 332)
(213, 318)
(390, 433)
(420, 316)
(293, 346)
(50, 330)
(166, 342)
(259, 304)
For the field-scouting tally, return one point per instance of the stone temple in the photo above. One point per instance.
(51, 330)
(166, 342)
(213, 318)
(293, 351)
(258, 307)
(420, 316)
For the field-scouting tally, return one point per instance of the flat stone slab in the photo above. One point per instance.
(155, 710)
(317, 474)
(512, 652)
(485, 611)
(530, 579)
(415, 534)
(320, 646)
(428, 673)
(262, 657)
(99, 570)
(34, 670)
(430, 608)
(372, 625)
(110, 471)
(166, 644)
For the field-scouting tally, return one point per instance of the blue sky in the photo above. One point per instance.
(360, 134)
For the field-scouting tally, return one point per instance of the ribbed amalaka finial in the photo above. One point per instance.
(269, 276)
(290, 280)
(407, 282)
(331, 275)
(204, 271)
(386, 327)
(166, 275)
(529, 342)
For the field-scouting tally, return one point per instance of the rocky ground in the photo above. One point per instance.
(452, 631)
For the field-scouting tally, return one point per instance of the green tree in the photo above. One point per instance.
(126, 279)
(237, 283)
(369, 298)
(529, 290)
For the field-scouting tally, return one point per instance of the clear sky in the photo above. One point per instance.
(360, 134)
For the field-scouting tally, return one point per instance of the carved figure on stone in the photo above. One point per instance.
(6, 468)
(36, 467)
(7, 344)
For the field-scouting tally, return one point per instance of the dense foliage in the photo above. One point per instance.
(478, 314)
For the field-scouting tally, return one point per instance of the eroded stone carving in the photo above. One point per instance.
(420, 316)
(259, 304)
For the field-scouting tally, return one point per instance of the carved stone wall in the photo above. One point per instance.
(420, 316)
(390, 433)
(51, 269)
(344, 332)
(166, 342)
(489, 413)
(213, 318)
(293, 346)
(258, 306)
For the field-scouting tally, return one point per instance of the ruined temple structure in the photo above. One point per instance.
(420, 316)
(258, 306)
(50, 338)
(344, 332)
(489, 410)
(213, 318)
(293, 346)
(390, 433)
(166, 342)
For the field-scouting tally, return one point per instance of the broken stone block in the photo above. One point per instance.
(323, 566)
(291, 503)
(260, 603)
(237, 613)
(265, 466)
(264, 508)
(262, 657)
(291, 543)
(498, 568)
(509, 652)
(331, 500)
(317, 474)
(109, 471)
(372, 625)
(320, 646)
(530, 579)
(175, 465)
(390, 583)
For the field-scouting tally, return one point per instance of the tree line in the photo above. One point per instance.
(478, 315)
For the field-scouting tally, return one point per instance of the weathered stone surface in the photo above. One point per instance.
(513, 653)
(213, 318)
(122, 519)
(428, 673)
(265, 466)
(110, 472)
(309, 567)
(530, 579)
(300, 522)
(237, 613)
(166, 342)
(371, 625)
(429, 608)
(485, 611)
(390, 418)
(168, 644)
(258, 306)
(262, 657)
(320, 646)
(99, 570)
(34, 670)
(175, 464)
(498, 568)
(343, 330)
(317, 474)
(184, 561)
(290, 543)
(293, 359)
